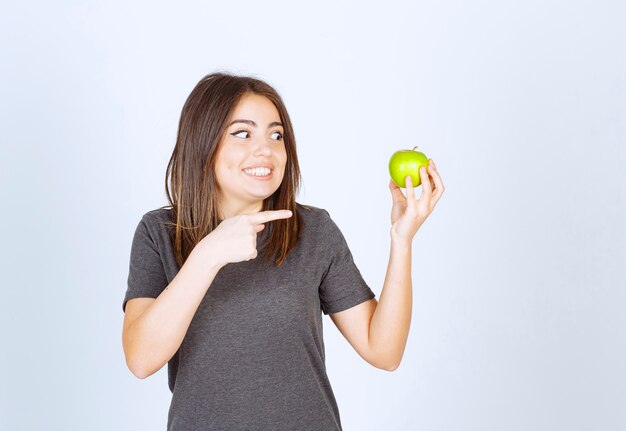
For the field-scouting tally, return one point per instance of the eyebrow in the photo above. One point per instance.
(252, 123)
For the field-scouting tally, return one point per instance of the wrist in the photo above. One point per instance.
(400, 241)
(205, 255)
(396, 237)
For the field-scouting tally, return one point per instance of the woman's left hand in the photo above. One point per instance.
(409, 213)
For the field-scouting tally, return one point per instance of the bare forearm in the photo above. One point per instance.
(390, 323)
(157, 334)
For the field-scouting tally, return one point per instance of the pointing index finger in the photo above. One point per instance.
(265, 216)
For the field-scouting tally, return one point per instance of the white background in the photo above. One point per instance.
(518, 274)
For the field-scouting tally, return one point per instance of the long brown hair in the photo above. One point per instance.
(191, 169)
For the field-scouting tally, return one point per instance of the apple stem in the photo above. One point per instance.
(414, 148)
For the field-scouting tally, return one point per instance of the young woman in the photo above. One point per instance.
(227, 285)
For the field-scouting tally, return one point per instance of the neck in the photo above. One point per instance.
(227, 211)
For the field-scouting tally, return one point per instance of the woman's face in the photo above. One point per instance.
(253, 139)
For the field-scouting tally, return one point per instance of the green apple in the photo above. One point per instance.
(407, 162)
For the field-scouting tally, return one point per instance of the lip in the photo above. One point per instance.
(254, 177)
(265, 178)
(270, 167)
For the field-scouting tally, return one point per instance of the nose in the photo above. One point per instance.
(262, 148)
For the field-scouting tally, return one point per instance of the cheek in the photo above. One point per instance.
(282, 155)
(224, 172)
(230, 160)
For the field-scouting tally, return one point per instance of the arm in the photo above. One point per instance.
(378, 331)
(391, 320)
(152, 338)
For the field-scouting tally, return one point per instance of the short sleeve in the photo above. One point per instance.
(146, 274)
(342, 286)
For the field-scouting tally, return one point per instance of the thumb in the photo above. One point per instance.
(396, 192)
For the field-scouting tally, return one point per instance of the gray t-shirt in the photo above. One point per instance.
(253, 357)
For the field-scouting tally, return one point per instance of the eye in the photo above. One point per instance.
(239, 131)
(280, 135)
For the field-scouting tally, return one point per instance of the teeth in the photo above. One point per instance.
(259, 172)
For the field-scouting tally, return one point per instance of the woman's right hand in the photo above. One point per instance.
(234, 239)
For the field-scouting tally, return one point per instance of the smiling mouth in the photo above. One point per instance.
(259, 177)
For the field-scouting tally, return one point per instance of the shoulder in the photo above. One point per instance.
(317, 218)
(156, 222)
(310, 212)
(156, 216)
